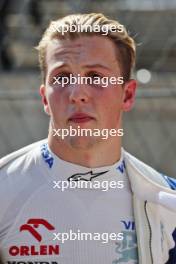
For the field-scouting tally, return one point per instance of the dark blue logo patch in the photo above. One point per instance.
(121, 167)
(172, 252)
(47, 155)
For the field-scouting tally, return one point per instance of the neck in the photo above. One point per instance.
(103, 153)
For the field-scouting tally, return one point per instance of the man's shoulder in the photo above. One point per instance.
(15, 156)
(21, 175)
(171, 181)
(149, 172)
(17, 165)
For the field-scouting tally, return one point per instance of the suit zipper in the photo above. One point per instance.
(150, 231)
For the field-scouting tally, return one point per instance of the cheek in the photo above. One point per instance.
(111, 101)
(110, 106)
(55, 101)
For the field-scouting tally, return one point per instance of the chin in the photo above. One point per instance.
(83, 142)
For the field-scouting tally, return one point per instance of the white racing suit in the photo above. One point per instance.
(154, 204)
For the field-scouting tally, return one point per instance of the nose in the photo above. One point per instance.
(79, 94)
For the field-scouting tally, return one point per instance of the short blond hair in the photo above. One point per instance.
(125, 45)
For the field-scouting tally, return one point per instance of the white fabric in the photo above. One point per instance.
(154, 210)
(27, 191)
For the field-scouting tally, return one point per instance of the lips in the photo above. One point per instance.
(80, 118)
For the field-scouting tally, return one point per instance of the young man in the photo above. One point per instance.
(83, 198)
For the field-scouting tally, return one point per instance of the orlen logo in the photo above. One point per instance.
(33, 250)
(34, 223)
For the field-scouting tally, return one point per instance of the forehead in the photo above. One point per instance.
(82, 50)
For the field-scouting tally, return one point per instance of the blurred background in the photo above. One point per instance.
(150, 128)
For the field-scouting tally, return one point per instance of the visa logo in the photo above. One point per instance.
(121, 167)
(129, 225)
(46, 155)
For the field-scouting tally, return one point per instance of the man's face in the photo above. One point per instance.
(85, 105)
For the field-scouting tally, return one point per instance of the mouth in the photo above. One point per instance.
(80, 118)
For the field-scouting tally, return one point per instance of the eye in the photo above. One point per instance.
(94, 75)
(96, 79)
(61, 79)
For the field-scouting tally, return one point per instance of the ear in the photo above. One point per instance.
(44, 99)
(129, 95)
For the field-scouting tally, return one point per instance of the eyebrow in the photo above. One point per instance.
(96, 66)
(65, 65)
